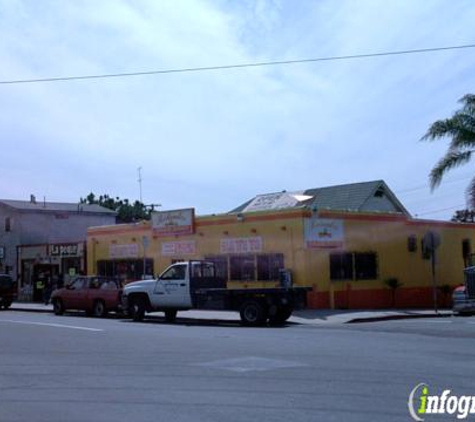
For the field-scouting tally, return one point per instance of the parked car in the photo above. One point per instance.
(463, 297)
(7, 291)
(95, 295)
(462, 303)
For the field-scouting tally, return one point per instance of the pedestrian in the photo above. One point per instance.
(47, 290)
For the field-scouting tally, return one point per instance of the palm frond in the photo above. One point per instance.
(468, 100)
(463, 132)
(449, 161)
(440, 129)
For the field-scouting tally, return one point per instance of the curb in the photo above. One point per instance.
(396, 317)
(13, 308)
(351, 321)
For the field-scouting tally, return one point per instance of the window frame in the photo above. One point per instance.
(351, 270)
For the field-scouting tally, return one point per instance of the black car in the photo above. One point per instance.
(7, 291)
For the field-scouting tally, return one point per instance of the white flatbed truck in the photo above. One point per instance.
(195, 285)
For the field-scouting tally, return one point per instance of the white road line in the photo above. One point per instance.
(73, 327)
(440, 322)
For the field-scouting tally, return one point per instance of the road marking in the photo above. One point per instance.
(251, 363)
(73, 327)
(440, 322)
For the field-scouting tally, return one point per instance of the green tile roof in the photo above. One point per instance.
(365, 196)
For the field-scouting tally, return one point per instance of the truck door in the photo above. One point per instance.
(173, 288)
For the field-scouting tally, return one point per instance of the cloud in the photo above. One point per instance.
(213, 139)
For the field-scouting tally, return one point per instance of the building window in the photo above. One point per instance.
(341, 266)
(268, 266)
(221, 265)
(366, 266)
(353, 266)
(8, 224)
(125, 270)
(262, 267)
(242, 268)
(466, 251)
(412, 243)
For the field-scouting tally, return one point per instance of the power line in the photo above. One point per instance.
(439, 210)
(420, 187)
(235, 66)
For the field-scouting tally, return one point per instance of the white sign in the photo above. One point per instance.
(65, 250)
(177, 222)
(130, 250)
(241, 245)
(185, 247)
(323, 233)
(274, 201)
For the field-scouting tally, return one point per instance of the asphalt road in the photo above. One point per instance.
(73, 368)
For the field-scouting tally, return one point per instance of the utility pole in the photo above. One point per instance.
(140, 182)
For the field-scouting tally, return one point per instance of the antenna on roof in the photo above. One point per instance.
(140, 182)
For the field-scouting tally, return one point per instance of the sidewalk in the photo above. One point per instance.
(305, 317)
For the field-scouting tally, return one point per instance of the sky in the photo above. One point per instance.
(212, 140)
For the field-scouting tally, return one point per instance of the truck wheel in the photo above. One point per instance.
(137, 309)
(5, 304)
(58, 307)
(170, 315)
(253, 313)
(99, 309)
(281, 315)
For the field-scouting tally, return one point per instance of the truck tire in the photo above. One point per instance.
(281, 315)
(58, 307)
(253, 313)
(170, 315)
(137, 309)
(99, 309)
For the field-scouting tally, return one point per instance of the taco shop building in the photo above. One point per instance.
(346, 256)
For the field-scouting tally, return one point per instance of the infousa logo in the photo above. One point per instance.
(421, 403)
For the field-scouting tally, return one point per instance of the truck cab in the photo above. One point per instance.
(175, 289)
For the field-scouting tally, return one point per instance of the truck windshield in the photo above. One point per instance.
(177, 272)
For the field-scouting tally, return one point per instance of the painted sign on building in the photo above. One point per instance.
(130, 250)
(275, 201)
(177, 222)
(323, 233)
(241, 245)
(69, 249)
(185, 247)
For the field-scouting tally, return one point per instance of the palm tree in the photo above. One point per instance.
(461, 129)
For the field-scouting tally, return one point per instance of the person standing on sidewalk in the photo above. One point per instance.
(47, 289)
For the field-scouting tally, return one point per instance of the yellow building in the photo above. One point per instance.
(345, 242)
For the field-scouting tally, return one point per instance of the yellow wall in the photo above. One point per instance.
(283, 232)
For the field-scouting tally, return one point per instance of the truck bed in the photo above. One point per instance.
(227, 299)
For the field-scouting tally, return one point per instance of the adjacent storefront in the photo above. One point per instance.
(48, 266)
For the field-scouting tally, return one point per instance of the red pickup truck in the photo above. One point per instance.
(95, 295)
